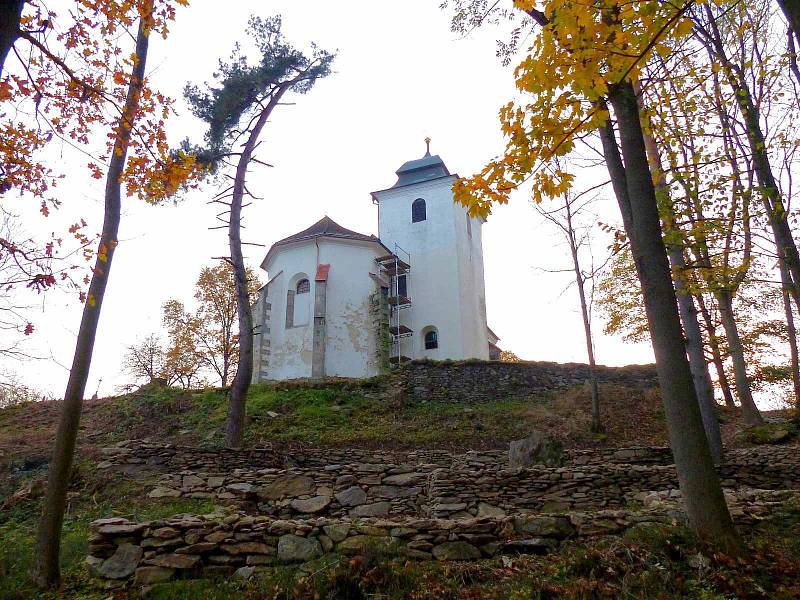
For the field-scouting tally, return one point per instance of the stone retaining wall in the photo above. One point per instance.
(171, 457)
(356, 489)
(222, 545)
(189, 458)
(470, 485)
(471, 489)
(482, 381)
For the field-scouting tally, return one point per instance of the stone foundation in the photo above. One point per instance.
(475, 381)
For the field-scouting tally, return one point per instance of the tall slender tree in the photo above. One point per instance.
(137, 103)
(565, 218)
(236, 109)
(584, 58)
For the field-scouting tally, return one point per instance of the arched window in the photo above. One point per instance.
(431, 340)
(418, 210)
(298, 301)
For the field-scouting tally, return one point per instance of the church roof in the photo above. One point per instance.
(329, 228)
(325, 227)
(422, 169)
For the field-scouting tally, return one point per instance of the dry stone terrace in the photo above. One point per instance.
(238, 544)
(281, 507)
(135, 453)
(437, 484)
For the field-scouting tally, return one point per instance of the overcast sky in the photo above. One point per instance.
(400, 75)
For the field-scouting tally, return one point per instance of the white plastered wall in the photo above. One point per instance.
(350, 335)
(445, 283)
(290, 349)
(350, 342)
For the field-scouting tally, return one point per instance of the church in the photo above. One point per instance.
(338, 303)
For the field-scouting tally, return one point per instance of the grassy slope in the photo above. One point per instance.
(334, 415)
(345, 414)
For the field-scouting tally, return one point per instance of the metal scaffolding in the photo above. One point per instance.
(397, 270)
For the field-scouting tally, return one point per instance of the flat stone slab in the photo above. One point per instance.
(544, 526)
(404, 478)
(311, 505)
(378, 509)
(288, 486)
(122, 563)
(352, 496)
(164, 492)
(174, 561)
(120, 529)
(293, 548)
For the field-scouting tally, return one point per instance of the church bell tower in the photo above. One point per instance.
(437, 295)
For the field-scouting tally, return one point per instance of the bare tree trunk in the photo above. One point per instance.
(597, 425)
(791, 10)
(792, 332)
(716, 354)
(749, 408)
(234, 436)
(46, 571)
(697, 358)
(10, 14)
(699, 483)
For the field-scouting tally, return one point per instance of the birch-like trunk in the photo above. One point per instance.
(736, 351)
(792, 333)
(716, 354)
(597, 425)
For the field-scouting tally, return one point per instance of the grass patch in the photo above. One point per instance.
(95, 499)
(770, 433)
(339, 413)
(346, 415)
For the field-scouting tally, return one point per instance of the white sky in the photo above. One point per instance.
(400, 75)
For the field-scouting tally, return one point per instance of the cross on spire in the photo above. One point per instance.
(427, 146)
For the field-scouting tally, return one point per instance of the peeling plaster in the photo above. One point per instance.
(357, 321)
(295, 351)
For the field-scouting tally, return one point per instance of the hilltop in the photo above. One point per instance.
(361, 419)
